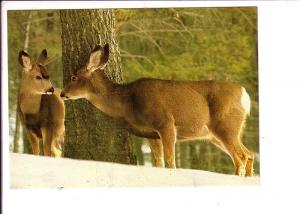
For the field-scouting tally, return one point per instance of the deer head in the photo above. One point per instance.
(35, 77)
(83, 80)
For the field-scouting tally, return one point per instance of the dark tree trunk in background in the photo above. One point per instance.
(90, 134)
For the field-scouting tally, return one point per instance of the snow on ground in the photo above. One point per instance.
(28, 171)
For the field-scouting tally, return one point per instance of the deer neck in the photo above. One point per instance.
(29, 102)
(107, 96)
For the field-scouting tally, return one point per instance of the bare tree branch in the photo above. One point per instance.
(39, 20)
(129, 55)
(247, 18)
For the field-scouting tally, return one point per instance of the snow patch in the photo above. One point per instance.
(28, 171)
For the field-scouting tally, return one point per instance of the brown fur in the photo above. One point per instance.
(41, 114)
(167, 111)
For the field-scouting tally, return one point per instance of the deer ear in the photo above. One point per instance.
(98, 58)
(42, 58)
(105, 56)
(25, 60)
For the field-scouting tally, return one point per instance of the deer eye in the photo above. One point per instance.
(38, 77)
(73, 78)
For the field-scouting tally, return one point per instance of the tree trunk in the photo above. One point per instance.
(17, 134)
(90, 134)
(26, 144)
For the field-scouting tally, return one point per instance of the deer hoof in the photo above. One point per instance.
(242, 171)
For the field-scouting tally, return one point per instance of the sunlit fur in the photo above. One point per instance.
(167, 111)
(40, 107)
(245, 100)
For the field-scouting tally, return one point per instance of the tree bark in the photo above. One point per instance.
(16, 143)
(90, 134)
(17, 134)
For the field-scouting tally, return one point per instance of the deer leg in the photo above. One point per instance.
(56, 147)
(219, 144)
(239, 158)
(237, 154)
(46, 134)
(168, 137)
(231, 142)
(34, 141)
(157, 152)
(249, 165)
(57, 140)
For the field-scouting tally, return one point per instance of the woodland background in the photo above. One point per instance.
(191, 44)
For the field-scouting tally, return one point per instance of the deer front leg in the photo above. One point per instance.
(34, 141)
(157, 153)
(168, 137)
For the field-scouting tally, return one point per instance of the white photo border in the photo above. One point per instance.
(279, 85)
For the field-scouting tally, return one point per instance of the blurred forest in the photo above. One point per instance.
(190, 44)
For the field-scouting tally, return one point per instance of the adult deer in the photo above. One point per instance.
(167, 111)
(40, 106)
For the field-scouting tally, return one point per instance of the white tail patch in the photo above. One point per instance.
(245, 101)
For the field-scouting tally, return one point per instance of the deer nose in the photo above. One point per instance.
(62, 94)
(50, 90)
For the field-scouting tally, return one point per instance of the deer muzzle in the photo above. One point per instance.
(50, 91)
(63, 95)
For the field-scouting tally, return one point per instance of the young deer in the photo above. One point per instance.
(167, 111)
(40, 107)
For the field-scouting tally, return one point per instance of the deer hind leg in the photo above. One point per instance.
(219, 144)
(240, 159)
(237, 158)
(56, 147)
(52, 143)
(57, 141)
(168, 137)
(47, 139)
(229, 136)
(157, 152)
(250, 155)
(249, 165)
(34, 141)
